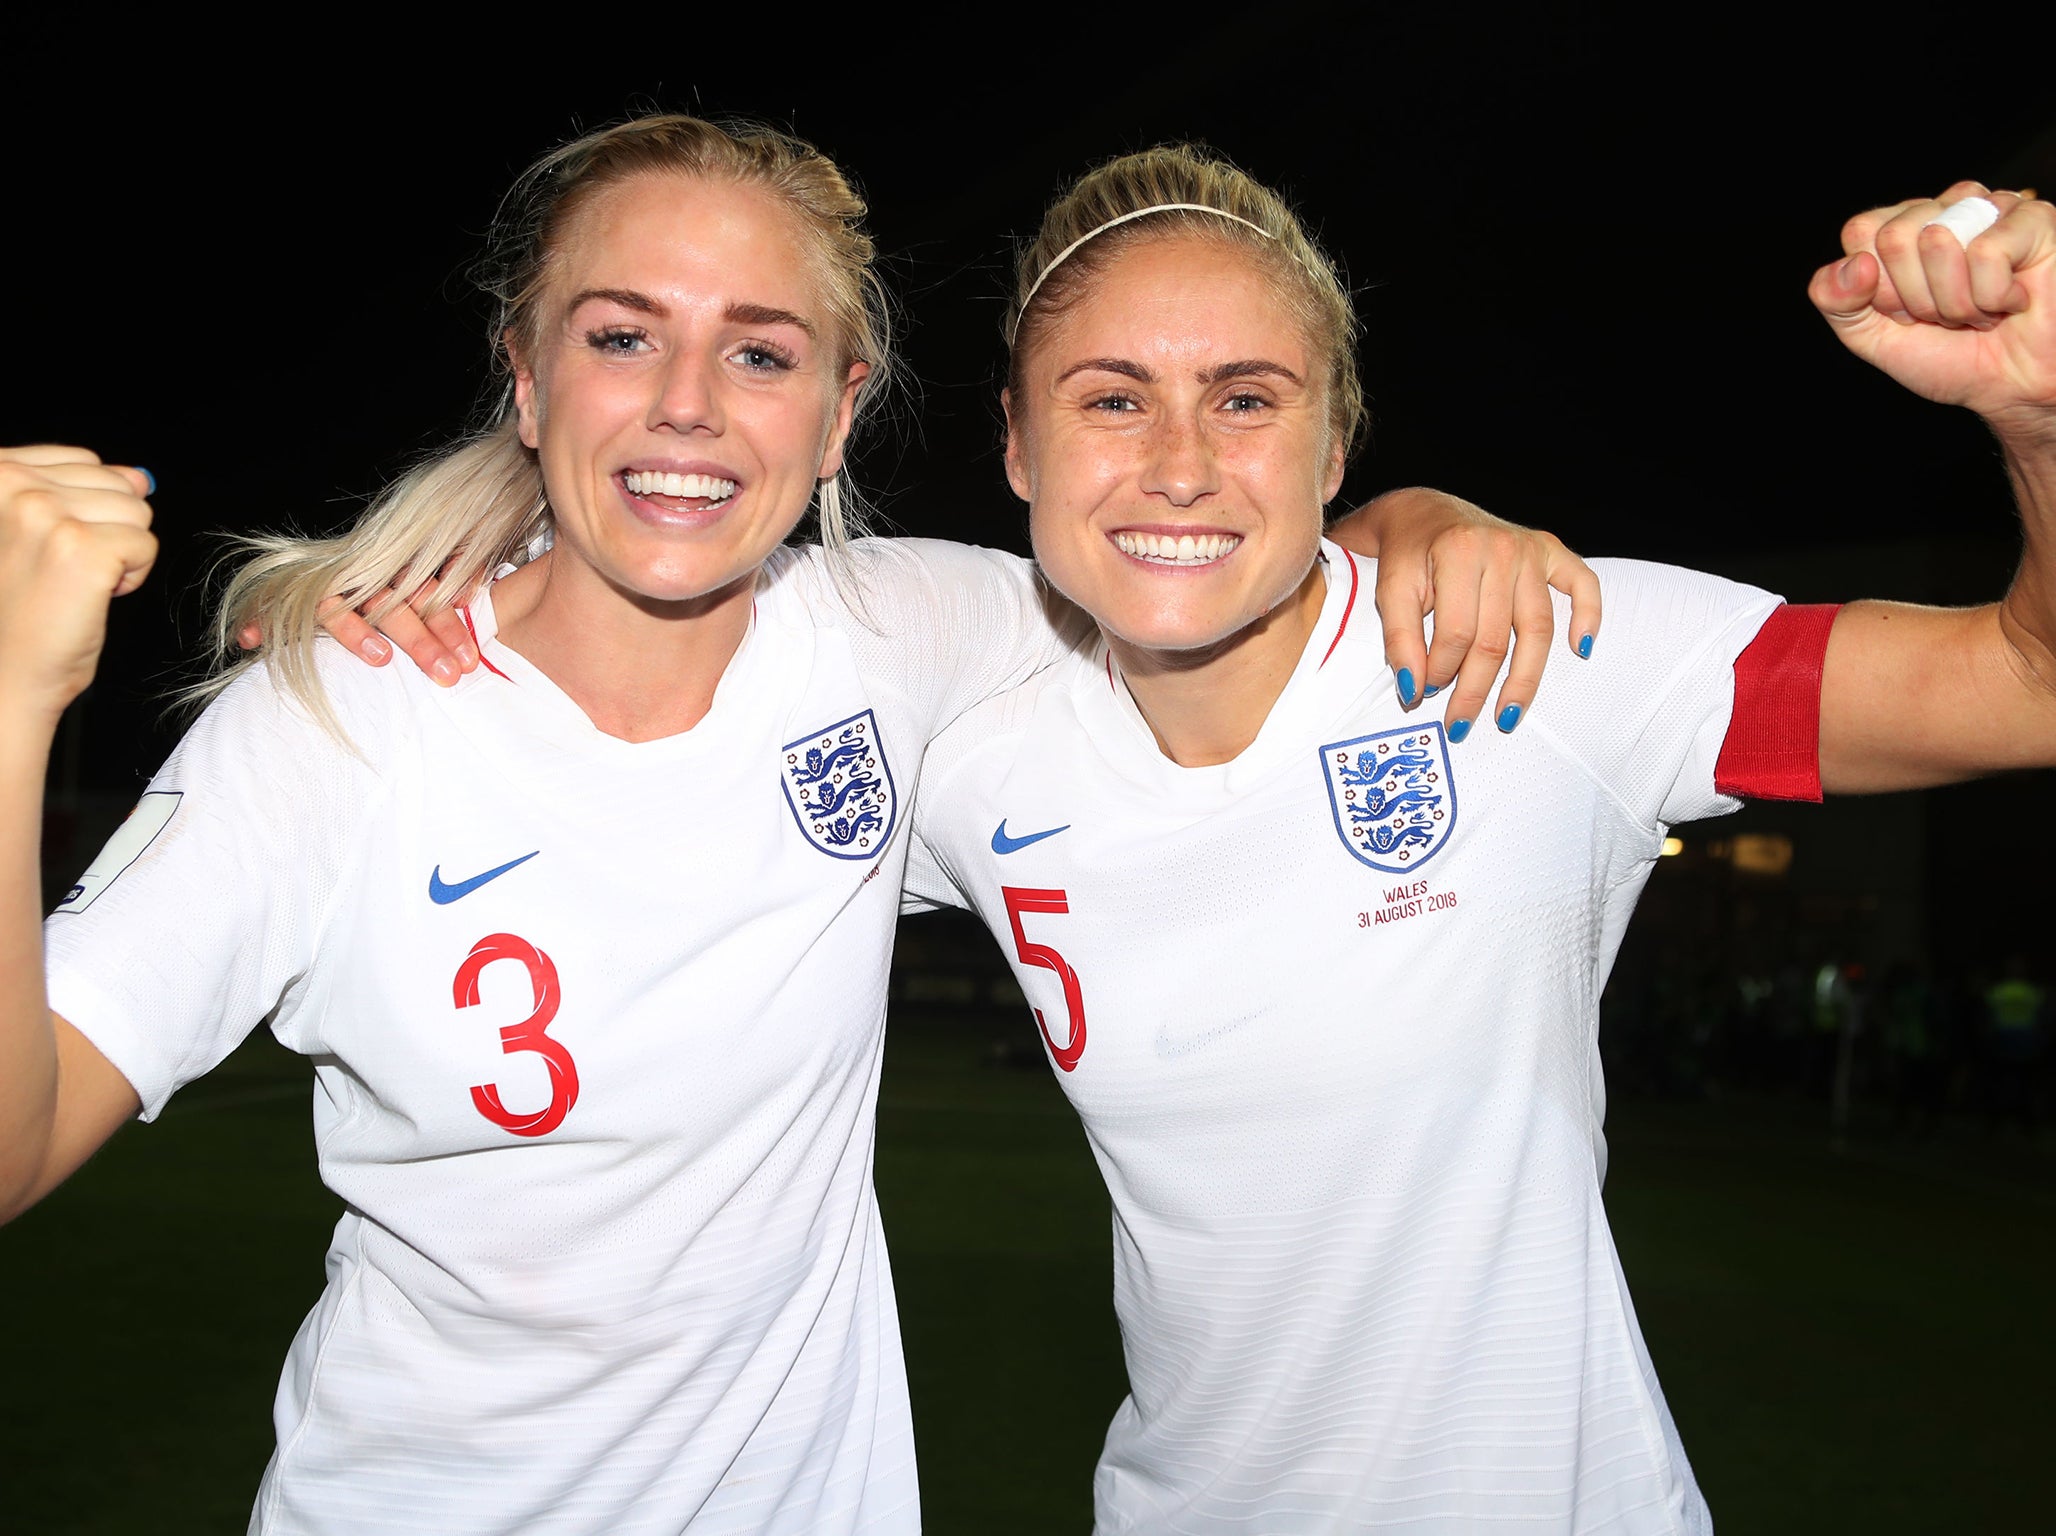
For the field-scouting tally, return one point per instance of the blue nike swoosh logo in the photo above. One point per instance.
(442, 895)
(1001, 843)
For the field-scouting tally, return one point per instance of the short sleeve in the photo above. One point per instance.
(1648, 714)
(954, 624)
(202, 915)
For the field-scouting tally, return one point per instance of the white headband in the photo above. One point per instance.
(1093, 234)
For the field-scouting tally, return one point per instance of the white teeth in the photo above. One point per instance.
(651, 482)
(1178, 548)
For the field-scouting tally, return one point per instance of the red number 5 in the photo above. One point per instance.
(529, 1035)
(1018, 901)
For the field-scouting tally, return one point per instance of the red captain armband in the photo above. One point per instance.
(1772, 750)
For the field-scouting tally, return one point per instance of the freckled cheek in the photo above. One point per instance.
(1092, 474)
(1287, 489)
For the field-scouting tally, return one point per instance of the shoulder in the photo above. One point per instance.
(888, 579)
(1007, 714)
(935, 560)
(337, 709)
(1645, 594)
(989, 734)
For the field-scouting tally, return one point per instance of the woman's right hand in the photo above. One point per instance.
(437, 641)
(74, 534)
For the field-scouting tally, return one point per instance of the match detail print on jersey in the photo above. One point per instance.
(1393, 795)
(151, 816)
(839, 787)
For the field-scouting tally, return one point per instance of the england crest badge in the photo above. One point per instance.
(839, 787)
(1393, 795)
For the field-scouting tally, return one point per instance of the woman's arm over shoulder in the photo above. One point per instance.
(954, 624)
(1488, 584)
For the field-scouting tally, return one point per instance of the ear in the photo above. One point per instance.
(525, 410)
(1017, 450)
(845, 413)
(1331, 483)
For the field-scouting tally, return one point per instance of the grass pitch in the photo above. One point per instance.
(1850, 1342)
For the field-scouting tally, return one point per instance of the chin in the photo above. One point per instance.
(667, 582)
(1172, 633)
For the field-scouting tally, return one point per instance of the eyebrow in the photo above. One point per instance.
(1248, 367)
(627, 298)
(1242, 368)
(740, 314)
(1119, 365)
(765, 314)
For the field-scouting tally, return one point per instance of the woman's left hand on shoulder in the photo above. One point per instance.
(1487, 581)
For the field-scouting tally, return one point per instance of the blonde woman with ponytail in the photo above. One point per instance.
(588, 949)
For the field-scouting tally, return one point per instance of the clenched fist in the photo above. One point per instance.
(74, 534)
(1965, 324)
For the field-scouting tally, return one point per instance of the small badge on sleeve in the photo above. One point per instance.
(839, 787)
(151, 816)
(1393, 796)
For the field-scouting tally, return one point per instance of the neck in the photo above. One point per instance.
(1206, 706)
(640, 668)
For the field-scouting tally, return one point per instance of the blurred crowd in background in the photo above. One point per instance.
(1913, 1042)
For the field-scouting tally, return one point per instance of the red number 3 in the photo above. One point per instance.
(1021, 900)
(531, 1034)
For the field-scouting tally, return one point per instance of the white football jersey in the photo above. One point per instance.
(596, 1035)
(1329, 1013)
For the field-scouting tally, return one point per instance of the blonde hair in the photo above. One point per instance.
(1183, 190)
(480, 504)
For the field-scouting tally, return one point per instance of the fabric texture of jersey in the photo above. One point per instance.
(1329, 1013)
(596, 1034)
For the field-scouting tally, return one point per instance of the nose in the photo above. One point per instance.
(1181, 465)
(687, 396)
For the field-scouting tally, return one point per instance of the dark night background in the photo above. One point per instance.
(1580, 244)
(1580, 248)
(1580, 241)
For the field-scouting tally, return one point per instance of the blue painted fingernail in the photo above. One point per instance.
(151, 489)
(1509, 717)
(1459, 729)
(1406, 686)
(1585, 646)
(1433, 689)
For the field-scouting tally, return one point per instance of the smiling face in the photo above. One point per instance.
(685, 393)
(1170, 432)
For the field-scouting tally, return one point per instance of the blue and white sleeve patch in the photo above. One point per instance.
(151, 816)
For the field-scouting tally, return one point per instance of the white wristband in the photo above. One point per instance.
(1968, 219)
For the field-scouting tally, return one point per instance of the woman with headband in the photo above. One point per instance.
(1322, 987)
(588, 951)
